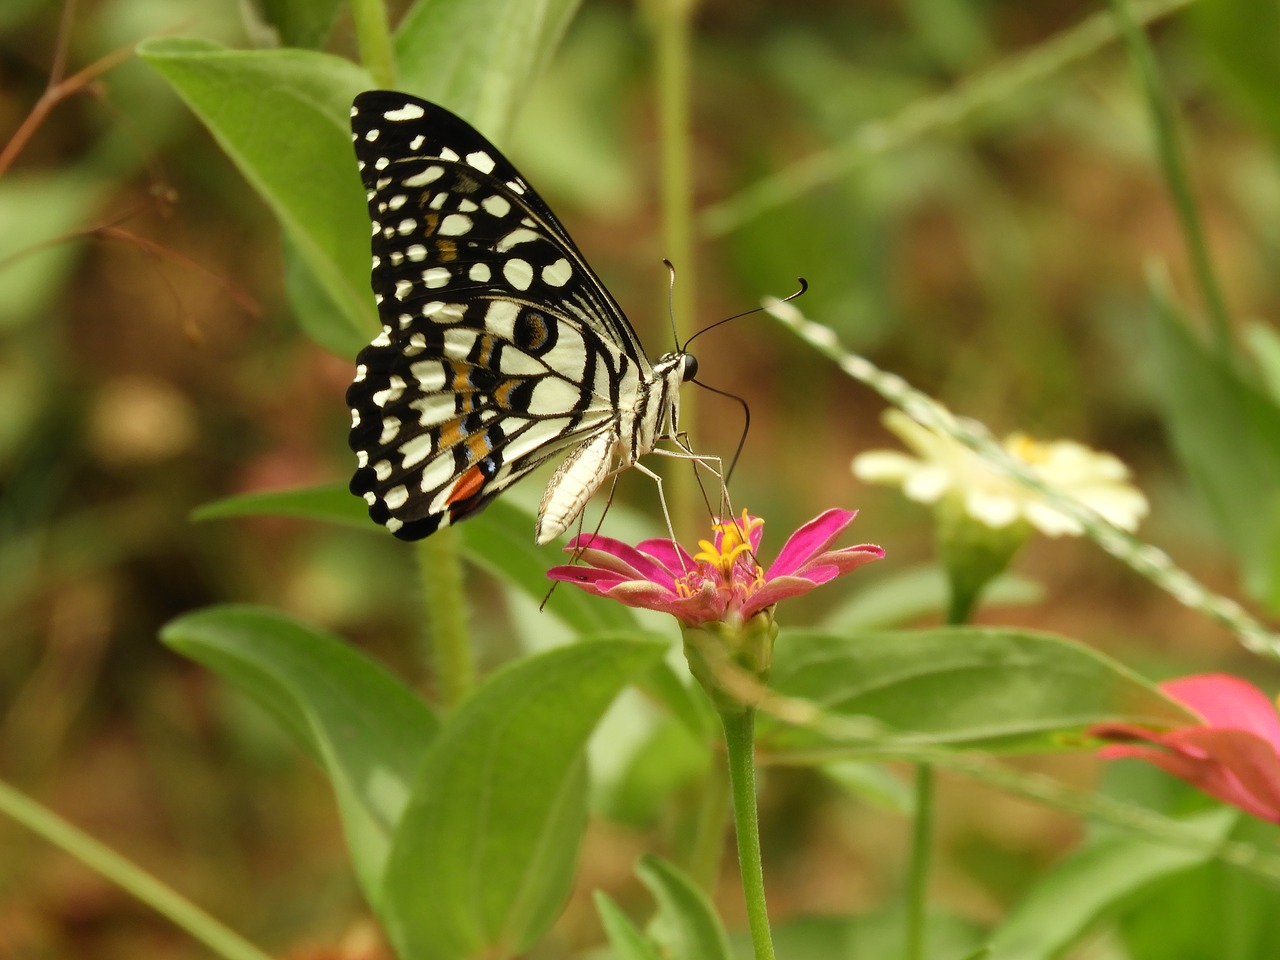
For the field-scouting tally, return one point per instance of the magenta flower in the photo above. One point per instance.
(723, 581)
(1234, 756)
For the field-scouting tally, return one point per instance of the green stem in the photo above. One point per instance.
(373, 33)
(921, 855)
(671, 22)
(128, 876)
(445, 611)
(739, 738)
(1174, 167)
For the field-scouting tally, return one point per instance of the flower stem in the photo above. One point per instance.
(128, 876)
(445, 610)
(739, 738)
(918, 875)
(374, 36)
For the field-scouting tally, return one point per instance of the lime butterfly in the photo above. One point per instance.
(500, 347)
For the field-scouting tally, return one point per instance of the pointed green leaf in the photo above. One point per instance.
(332, 503)
(282, 116)
(686, 925)
(1094, 881)
(366, 728)
(484, 856)
(962, 686)
(626, 939)
(1227, 435)
(479, 57)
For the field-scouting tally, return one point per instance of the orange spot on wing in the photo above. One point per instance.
(468, 486)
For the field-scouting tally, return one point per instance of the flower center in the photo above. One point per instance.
(730, 554)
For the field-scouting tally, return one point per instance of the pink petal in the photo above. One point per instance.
(814, 537)
(695, 609)
(839, 562)
(591, 579)
(609, 554)
(1226, 701)
(671, 555)
(1233, 766)
(779, 588)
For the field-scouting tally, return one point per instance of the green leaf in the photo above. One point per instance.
(282, 117)
(1095, 881)
(686, 926)
(874, 935)
(962, 686)
(1227, 434)
(479, 57)
(292, 23)
(332, 503)
(626, 939)
(366, 728)
(484, 856)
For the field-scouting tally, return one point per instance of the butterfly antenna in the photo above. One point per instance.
(804, 286)
(671, 300)
(746, 424)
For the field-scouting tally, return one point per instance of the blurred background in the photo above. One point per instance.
(978, 226)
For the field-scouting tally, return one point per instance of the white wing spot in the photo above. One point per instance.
(410, 111)
(396, 202)
(390, 427)
(395, 389)
(416, 252)
(371, 135)
(496, 205)
(402, 288)
(382, 469)
(416, 450)
(429, 175)
(416, 143)
(518, 273)
(515, 186)
(467, 206)
(481, 161)
(436, 277)
(381, 163)
(480, 272)
(407, 226)
(557, 274)
(396, 497)
(455, 225)
(448, 153)
(514, 237)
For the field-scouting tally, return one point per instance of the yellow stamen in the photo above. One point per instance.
(735, 540)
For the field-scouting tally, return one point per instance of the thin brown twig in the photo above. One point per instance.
(54, 94)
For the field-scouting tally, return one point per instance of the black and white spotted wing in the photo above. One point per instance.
(499, 347)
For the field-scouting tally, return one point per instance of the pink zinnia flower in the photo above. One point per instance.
(1234, 756)
(723, 581)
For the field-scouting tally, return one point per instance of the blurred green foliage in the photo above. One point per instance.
(162, 346)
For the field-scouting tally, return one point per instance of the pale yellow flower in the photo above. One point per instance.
(944, 467)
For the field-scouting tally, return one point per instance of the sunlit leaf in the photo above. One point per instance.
(962, 686)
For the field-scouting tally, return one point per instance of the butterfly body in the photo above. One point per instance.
(500, 348)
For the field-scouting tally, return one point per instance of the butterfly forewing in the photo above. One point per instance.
(500, 347)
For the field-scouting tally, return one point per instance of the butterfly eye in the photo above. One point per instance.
(688, 367)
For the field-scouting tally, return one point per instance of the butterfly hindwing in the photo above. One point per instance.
(499, 348)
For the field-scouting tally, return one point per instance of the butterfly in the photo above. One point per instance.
(500, 347)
